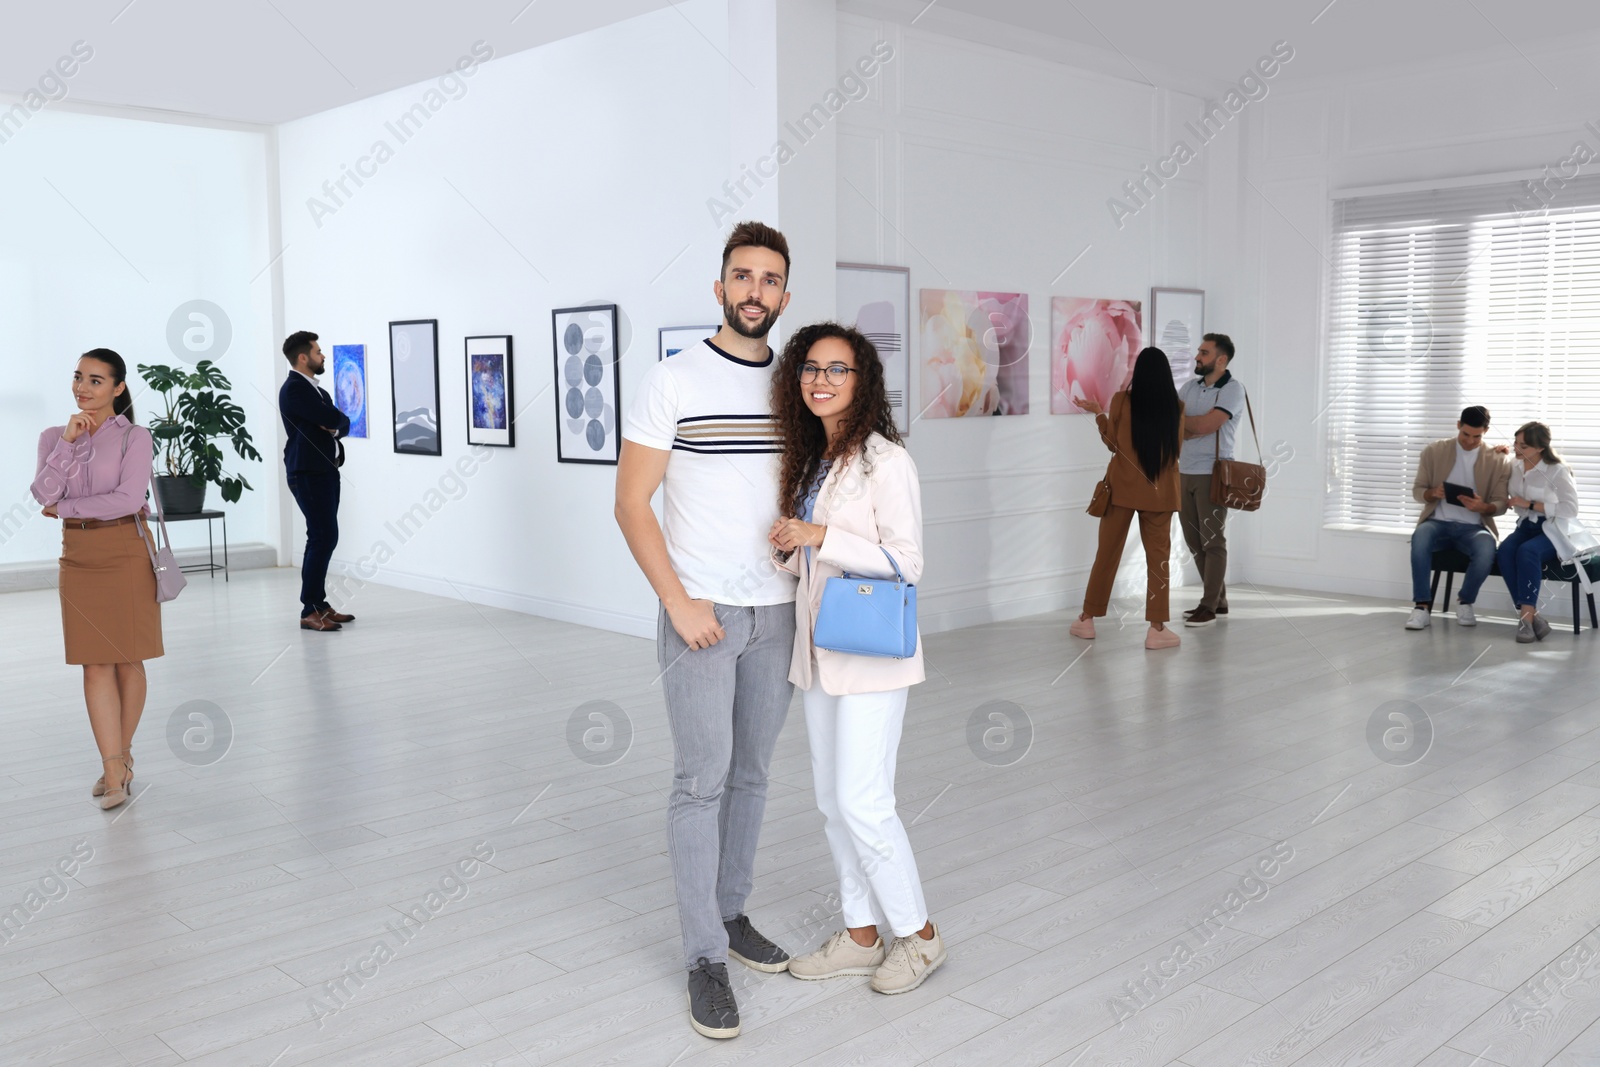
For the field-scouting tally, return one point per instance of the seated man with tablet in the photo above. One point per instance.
(1462, 486)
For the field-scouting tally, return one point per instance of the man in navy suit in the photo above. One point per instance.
(312, 458)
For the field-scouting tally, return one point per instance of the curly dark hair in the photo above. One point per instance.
(805, 444)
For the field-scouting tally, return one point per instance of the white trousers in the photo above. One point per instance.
(854, 741)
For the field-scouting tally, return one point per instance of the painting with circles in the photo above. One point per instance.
(587, 389)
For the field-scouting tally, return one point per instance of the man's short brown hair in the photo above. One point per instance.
(756, 235)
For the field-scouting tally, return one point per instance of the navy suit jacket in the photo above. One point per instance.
(308, 414)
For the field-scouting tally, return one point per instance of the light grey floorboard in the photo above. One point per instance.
(1098, 892)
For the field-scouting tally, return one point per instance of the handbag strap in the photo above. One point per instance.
(1216, 441)
(166, 538)
(898, 577)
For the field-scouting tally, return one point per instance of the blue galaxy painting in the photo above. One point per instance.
(489, 392)
(350, 385)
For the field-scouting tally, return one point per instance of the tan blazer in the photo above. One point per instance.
(1130, 486)
(870, 500)
(1491, 477)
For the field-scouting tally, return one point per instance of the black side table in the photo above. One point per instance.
(211, 568)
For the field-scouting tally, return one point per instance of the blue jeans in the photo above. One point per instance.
(725, 705)
(1522, 558)
(1474, 542)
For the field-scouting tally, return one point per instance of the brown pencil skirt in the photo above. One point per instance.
(109, 612)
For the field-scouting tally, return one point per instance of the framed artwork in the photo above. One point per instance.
(877, 301)
(491, 411)
(674, 339)
(1177, 325)
(414, 373)
(1093, 345)
(974, 353)
(588, 394)
(350, 385)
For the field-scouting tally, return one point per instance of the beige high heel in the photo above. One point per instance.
(100, 783)
(113, 798)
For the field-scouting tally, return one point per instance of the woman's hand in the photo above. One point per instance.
(1091, 406)
(77, 426)
(1520, 502)
(790, 534)
(50, 511)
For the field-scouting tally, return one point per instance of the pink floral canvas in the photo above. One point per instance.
(974, 353)
(1093, 345)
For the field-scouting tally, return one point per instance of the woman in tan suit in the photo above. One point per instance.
(849, 496)
(1144, 431)
(93, 474)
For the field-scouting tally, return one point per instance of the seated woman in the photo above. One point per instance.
(1541, 488)
(1144, 430)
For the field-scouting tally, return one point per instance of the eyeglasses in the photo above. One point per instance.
(835, 373)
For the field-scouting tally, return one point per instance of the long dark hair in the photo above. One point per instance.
(1154, 403)
(1537, 435)
(805, 442)
(121, 404)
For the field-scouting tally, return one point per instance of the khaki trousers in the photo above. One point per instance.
(1203, 531)
(1155, 530)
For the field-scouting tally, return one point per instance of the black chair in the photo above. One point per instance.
(1556, 571)
(1451, 562)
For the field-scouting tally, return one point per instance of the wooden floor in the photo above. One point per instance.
(1101, 892)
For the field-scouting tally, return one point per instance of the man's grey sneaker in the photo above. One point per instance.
(1541, 629)
(839, 956)
(1465, 616)
(1525, 632)
(1418, 620)
(749, 947)
(712, 1011)
(910, 960)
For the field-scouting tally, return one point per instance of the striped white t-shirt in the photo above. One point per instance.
(720, 494)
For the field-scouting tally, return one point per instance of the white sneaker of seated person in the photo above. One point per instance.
(1465, 616)
(1419, 619)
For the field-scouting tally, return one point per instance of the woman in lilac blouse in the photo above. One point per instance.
(93, 474)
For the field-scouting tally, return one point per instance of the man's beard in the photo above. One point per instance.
(730, 313)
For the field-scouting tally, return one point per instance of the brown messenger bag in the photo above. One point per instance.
(1234, 483)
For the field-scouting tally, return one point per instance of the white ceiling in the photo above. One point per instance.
(1220, 39)
(269, 61)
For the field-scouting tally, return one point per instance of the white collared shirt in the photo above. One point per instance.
(1550, 484)
(306, 376)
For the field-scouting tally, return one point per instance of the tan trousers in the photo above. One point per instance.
(1155, 530)
(1203, 531)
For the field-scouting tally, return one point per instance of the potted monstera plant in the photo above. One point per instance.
(198, 414)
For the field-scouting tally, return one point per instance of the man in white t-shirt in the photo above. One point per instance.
(1478, 479)
(701, 429)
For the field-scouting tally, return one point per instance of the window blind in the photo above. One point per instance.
(1443, 298)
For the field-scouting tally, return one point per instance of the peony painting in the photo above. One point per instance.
(974, 353)
(1093, 344)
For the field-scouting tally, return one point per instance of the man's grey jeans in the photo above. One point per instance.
(726, 705)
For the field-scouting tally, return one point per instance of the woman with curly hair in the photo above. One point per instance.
(848, 500)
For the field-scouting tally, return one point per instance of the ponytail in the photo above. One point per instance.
(122, 404)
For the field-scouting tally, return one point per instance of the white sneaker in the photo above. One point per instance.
(1465, 615)
(1419, 619)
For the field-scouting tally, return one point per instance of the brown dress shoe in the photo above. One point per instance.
(320, 623)
(334, 616)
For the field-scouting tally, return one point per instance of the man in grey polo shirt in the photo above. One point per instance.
(1212, 404)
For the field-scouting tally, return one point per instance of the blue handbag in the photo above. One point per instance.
(868, 616)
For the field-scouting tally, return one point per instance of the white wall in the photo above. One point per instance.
(110, 225)
(981, 168)
(573, 173)
(1483, 115)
